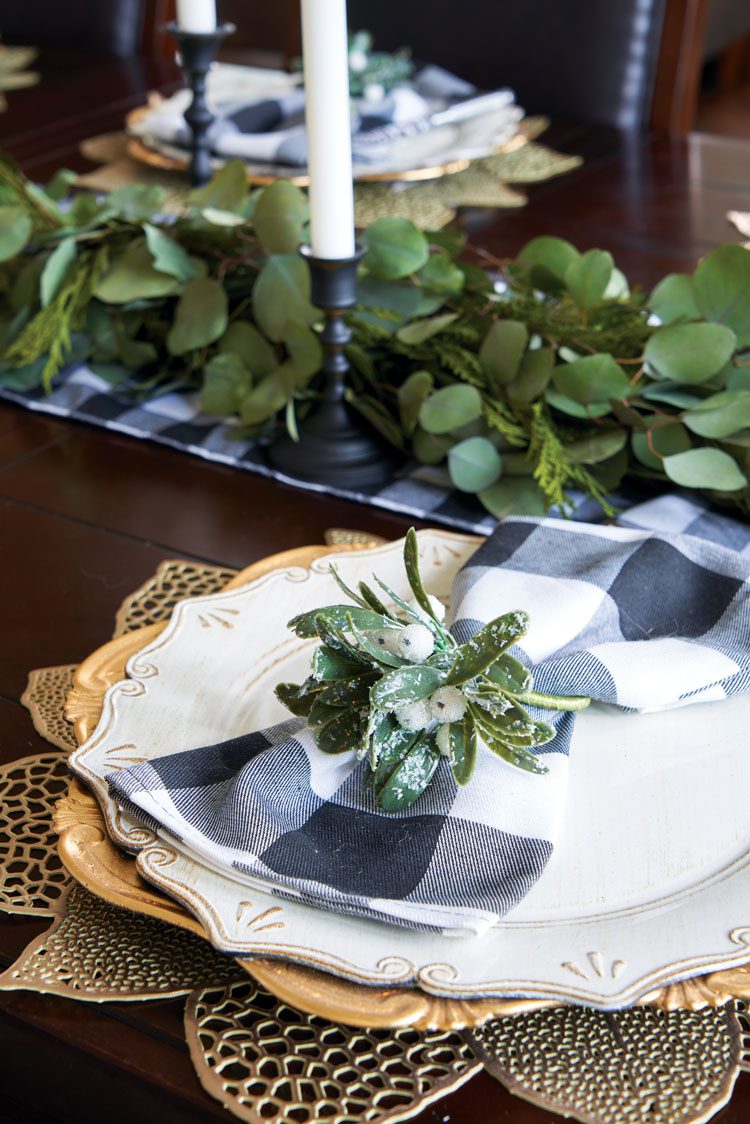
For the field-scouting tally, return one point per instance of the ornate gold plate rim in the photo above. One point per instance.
(139, 150)
(93, 860)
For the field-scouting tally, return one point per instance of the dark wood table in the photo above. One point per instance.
(87, 516)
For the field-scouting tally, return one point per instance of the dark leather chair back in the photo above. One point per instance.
(112, 27)
(590, 59)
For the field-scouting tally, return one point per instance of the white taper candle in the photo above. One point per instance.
(197, 16)
(326, 69)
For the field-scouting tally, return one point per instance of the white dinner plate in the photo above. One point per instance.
(650, 882)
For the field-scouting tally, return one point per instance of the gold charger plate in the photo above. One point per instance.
(139, 150)
(94, 861)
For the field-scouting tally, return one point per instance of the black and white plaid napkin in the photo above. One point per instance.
(640, 617)
(271, 129)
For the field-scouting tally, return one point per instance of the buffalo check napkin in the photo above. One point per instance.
(270, 128)
(649, 614)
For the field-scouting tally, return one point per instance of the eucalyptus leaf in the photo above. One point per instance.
(588, 276)
(15, 231)
(430, 448)
(411, 395)
(721, 285)
(169, 256)
(720, 415)
(226, 190)
(474, 464)
(659, 441)
(279, 217)
(449, 408)
(546, 259)
(574, 409)
(532, 378)
(132, 277)
(305, 351)
(136, 201)
(395, 248)
(673, 299)
(402, 300)
(441, 275)
(419, 331)
(405, 685)
(690, 353)
(705, 468)
(501, 351)
(671, 395)
(55, 269)
(226, 381)
(269, 396)
(593, 379)
(514, 496)
(598, 447)
(200, 317)
(282, 295)
(246, 342)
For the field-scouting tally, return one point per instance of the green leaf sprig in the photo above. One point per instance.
(389, 680)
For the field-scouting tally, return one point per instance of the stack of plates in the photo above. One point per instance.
(650, 882)
(437, 151)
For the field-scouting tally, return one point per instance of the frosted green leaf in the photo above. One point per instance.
(484, 648)
(410, 777)
(337, 616)
(405, 685)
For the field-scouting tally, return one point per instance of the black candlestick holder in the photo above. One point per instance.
(197, 52)
(335, 446)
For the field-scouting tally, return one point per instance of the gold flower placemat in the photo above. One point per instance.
(430, 204)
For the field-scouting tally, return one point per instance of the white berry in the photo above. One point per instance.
(443, 740)
(447, 704)
(436, 605)
(415, 643)
(415, 716)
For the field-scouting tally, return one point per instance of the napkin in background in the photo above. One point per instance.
(642, 615)
(271, 129)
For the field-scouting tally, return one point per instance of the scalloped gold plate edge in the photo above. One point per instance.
(94, 860)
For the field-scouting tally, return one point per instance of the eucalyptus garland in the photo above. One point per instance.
(539, 377)
(389, 680)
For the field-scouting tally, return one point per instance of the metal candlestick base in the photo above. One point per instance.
(197, 51)
(336, 447)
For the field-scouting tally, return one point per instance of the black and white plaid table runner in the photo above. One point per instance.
(650, 614)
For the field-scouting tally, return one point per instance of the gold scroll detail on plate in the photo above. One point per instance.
(98, 864)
